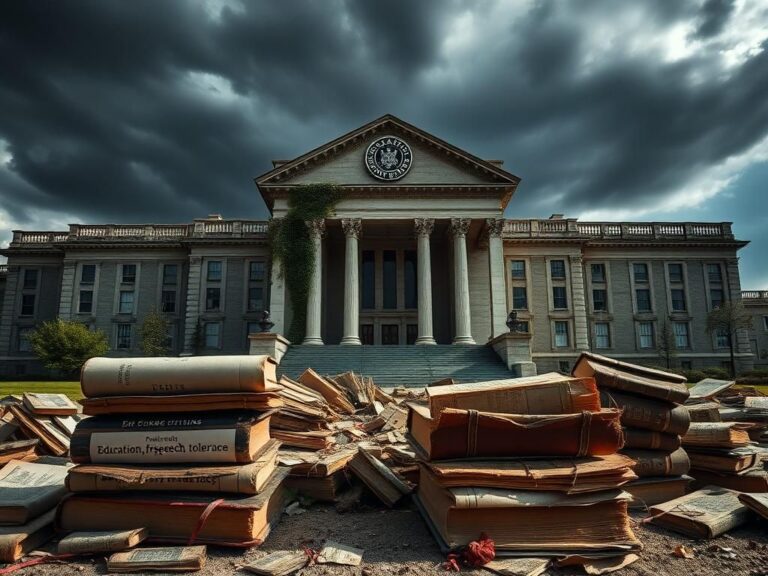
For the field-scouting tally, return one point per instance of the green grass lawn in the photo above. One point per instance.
(71, 389)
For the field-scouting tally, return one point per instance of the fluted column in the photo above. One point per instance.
(352, 228)
(580, 324)
(423, 228)
(315, 296)
(494, 228)
(459, 228)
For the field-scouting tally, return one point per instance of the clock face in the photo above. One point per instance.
(388, 158)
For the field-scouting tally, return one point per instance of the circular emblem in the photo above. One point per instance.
(388, 158)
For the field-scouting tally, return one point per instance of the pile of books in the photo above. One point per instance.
(179, 447)
(37, 423)
(533, 463)
(654, 420)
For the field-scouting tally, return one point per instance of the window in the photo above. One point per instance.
(30, 279)
(255, 298)
(645, 329)
(85, 304)
(123, 336)
(643, 299)
(27, 304)
(716, 297)
(390, 334)
(675, 273)
(714, 273)
(168, 301)
(721, 338)
(409, 274)
(598, 273)
(24, 344)
(212, 298)
(256, 271)
(129, 273)
(641, 273)
(602, 335)
(565, 366)
(390, 279)
(519, 298)
(686, 364)
(517, 269)
(212, 332)
(126, 302)
(366, 334)
(523, 326)
(214, 271)
(678, 299)
(88, 274)
(561, 334)
(368, 295)
(170, 274)
(682, 339)
(765, 323)
(411, 333)
(557, 269)
(559, 297)
(599, 299)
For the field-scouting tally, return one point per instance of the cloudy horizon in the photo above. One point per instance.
(166, 111)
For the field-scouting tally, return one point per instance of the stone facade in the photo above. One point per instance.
(756, 302)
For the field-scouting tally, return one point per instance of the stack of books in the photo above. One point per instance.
(179, 446)
(654, 420)
(47, 419)
(530, 462)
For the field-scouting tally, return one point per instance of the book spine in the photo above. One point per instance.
(652, 463)
(650, 440)
(649, 414)
(619, 382)
(240, 482)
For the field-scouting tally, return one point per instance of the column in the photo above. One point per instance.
(314, 298)
(352, 228)
(580, 327)
(459, 228)
(8, 310)
(423, 228)
(277, 290)
(67, 294)
(498, 284)
(192, 335)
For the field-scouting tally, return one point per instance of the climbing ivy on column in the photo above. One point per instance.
(292, 246)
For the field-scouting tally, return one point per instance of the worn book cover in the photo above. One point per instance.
(704, 412)
(659, 463)
(189, 375)
(227, 437)
(650, 440)
(171, 559)
(17, 541)
(49, 404)
(647, 413)
(52, 439)
(17, 450)
(314, 439)
(322, 489)
(102, 541)
(28, 489)
(311, 463)
(709, 388)
(731, 460)
(378, 478)
(182, 403)
(706, 513)
(333, 395)
(654, 490)
(756, 502)
(753, 480)
(717, 434)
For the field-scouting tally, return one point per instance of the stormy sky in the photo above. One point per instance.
(147, 111)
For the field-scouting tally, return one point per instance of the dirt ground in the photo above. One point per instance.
(398, 542)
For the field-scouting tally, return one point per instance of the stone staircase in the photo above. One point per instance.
(392, 366)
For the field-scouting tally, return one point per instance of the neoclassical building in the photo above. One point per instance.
(418, 252)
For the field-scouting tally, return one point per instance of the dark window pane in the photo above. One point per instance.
(675, 273)
(169, 301)
(678, 299)
(366, 334)
(86, 302)
(255, 298)
(557, 269)
(390, 334)
(256, 271)
(27, 304)
(641, 273)
(411, 333)
(599, 299)
(598, 273)
(519, 298)
(129, 273)
(124, 336)
(517, 269)
(410, 279)
(716, 297)
(126, 302)
(170, 274)
(30, 279)
(213, 298)
(369, 284)
(214, 271)
(211, 334)
(559, 297)
(88, 274)
(715, 273)
(390, 279)
(643, 299)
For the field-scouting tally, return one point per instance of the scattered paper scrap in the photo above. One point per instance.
(518, 566)
(280, 563)
(336, 553)
(682, 551)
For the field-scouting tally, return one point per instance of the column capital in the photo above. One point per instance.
(576, 258)
(352, 227)
(423, 226)
(316, 227)
(494, 227)
(460, 226)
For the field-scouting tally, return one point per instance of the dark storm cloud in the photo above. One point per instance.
(714, 15)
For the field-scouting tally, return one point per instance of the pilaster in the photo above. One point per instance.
(66, 297)
(9, 308)
(580, 325)
(192, 308)
(734, 288)
(459, 229)
(498, 295)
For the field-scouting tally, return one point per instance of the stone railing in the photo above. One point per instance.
(20, 237)
(754, 295)
(571, 228)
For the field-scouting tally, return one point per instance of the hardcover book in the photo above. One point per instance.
(717, 434)
(100, 542)
(658, 463)
(647, 413)
(28, 489)
(706, 513)
(52, 439)
(731, 460)
(654, 490)
(17, 450)
(378, 478)
(709, 388)
(17, 541)
(171, 559)
(754, 480)
(310, 463)
(335, 397)
(49, 404)
(182, 403)
(314, 439)
(756, 502)
(650, 440)
(704, 412)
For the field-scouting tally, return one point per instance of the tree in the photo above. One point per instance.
(154, 335)
(666, 346)
(729, 318)
(64, 345)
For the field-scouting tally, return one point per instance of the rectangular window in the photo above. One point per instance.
(517, 269)
(410, 278)
(27, 304)
(170, 274)
(765, 323)
(561, 334)
(30, 279)
(559, 298)
(565, 366)
(366, 334)
(390, 334)
(682, 339)
(168, 303)
(124, 336)
(675, 273)
(24, 344)
(256, 271)
(213, 272)
(213, 299)
(519, 298)
(212, 332)
(129, 274)
(716, 297)
(88, 274)
(85, 304)
(721, 338)
(599, 299)
(602, 335)
(390, 279)
(598, 273)
(641, 273)
(126, 302)
(255, 299)
(714, 273)
(411, 333)
(678, 299)
(643, 299)
(645, 329)
(368, 295)
(557, 269)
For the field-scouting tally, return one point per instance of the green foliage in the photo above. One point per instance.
(666, 347)
(694, 376)
(716, 372)
(292, 246)
(729, 317)
(154, 335)
(64, 345)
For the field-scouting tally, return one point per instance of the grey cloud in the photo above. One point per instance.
(714, 15)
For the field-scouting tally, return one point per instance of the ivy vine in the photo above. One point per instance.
(292, 246)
